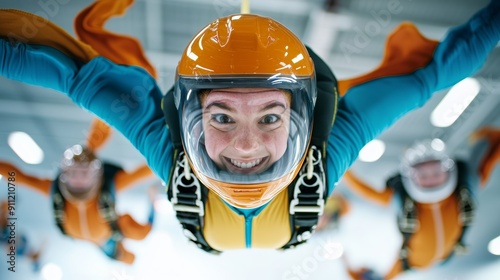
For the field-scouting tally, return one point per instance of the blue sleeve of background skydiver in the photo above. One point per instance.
(369, 109)
(125, 97)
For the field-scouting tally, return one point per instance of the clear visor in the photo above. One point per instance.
(81, 178)
(246, 130)
(430, 174)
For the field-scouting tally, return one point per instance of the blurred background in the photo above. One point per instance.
(367, 236)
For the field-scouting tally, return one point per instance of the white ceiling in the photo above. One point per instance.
(164, 27)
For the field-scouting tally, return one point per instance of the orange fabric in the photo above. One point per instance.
(121, 49)
(83, 221)
(438, 222)
(406, 50)
(492, 156)
(124, 179)
(132, 229)
(124, 255)
(438, 230)
(41, 185)
(98, 135)
(366, 191)
(37, 30)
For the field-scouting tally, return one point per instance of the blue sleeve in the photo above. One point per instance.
(369, 109)
(125, 97)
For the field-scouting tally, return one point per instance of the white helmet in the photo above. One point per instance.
(81, 173)
(415, 165)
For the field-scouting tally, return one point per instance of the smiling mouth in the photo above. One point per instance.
(247, 166)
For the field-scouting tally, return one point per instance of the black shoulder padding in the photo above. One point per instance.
(326, 103)
(172, 118)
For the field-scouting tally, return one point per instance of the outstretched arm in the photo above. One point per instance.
(127, 98)
(22, 179)
(370, 108)
(361, 188)
(124, 180)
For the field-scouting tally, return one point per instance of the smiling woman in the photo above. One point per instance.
(246, 130)
(246, 107)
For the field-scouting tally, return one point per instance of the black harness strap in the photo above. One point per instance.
(188, 197)
(307, 196)
(186, 193)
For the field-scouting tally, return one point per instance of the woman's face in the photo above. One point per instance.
(80, 178)
(246, 129)
(429, 174)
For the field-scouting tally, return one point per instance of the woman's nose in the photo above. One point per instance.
(246, 140)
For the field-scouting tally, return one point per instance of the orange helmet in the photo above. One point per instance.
(245, 51)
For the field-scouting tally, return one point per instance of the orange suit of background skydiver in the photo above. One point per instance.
(425, 247)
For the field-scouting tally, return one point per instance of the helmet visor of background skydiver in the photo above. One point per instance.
(81, 173)
(429, 174)
(245, 91)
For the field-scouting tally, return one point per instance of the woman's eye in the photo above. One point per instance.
(270, 119)
(222, 118)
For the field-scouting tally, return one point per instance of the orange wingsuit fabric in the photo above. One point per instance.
(406, 50)
(42, 32)
(438, 232)
(121, 49)
(98, 135)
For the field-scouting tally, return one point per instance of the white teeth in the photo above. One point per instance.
(246, 165)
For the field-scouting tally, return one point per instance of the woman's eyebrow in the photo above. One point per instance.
(220, 105)
(272, 105)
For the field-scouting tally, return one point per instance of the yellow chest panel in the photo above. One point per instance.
(226, 230)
